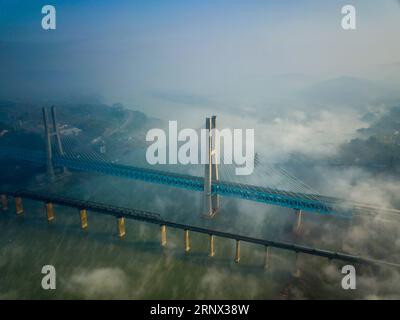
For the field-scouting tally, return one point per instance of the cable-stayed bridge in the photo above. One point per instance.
(293, 200)
(218, 180)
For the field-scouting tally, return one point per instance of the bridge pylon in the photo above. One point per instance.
(211, 200)
(49, 152)
(51, 131)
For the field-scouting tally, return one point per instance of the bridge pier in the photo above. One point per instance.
(297, 225)
(139, 215)
(18, 205)
(237, 251)
(4, 202)
(297, 271)
(212, 252)
(267, 258)
(121, 227)
(83, 215)
(163, 230)
(49, 211)
(187, 241)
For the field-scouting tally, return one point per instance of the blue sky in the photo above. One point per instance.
(131, 50)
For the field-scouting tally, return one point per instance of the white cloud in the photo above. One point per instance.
(106, 283)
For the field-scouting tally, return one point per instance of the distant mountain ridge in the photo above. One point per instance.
(350, 91)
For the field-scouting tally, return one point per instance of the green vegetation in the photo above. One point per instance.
(379, 144)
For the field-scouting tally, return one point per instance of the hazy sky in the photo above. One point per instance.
(191, 51)
(179, 59)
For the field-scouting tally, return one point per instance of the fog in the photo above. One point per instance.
(225, 54)
(287, 70)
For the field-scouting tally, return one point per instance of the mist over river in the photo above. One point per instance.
(316, 86)
(95, 263)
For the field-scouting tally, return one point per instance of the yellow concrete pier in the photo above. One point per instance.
(163, 235)
(84, 222)
(18, 205)
(187, 241)
(212, 252)
(297, 271)
(121, 227)
(237, 253)
(267, 258)
(4, 202)
(49, 211)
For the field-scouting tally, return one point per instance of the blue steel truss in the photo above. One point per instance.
(294, 200)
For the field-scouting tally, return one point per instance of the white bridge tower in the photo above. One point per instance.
(211, 199)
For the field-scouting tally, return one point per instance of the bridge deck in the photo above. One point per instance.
(157, 219)
(298, 201)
